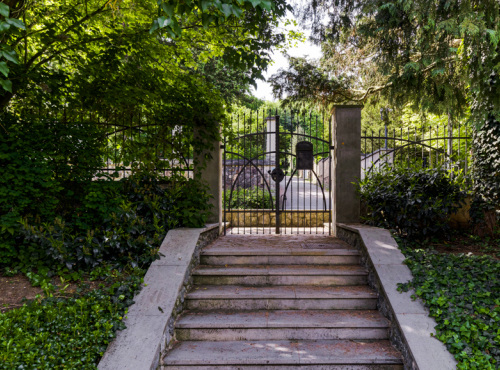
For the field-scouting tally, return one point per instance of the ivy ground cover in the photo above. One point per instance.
(462, 292)
(67, 331)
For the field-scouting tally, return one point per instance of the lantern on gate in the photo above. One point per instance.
(305, 158)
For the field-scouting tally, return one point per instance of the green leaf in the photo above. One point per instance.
(175, 27)
(6, 84)
(4, 9)
(226, 9)
(237, 11)
(267, 4)
(206, 20)
(4, 26)
(438, 71)
(164, 21)
(154, 27)
(171, 32)
(205, 4)
(494, 37)
(168, 8)
(255, 3)
(389, 6)
(16, 23)
(4, 69)
(11, 56)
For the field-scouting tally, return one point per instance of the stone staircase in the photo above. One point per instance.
(281, 302)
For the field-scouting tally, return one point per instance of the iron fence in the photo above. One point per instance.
(141, 139)
(445, 146)
(130, 140)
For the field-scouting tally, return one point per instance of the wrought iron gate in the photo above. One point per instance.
(277, 174)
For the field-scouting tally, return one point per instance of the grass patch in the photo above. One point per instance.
(462, 292)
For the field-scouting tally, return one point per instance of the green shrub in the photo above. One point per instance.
(463, 295)
(253, 198)
(97, 200)
(414, 201)
(61, 333)
(485, 216)
(191, 203)
(37, 158)
(131, 234)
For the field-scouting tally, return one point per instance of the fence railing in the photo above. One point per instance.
(144, 140)
(130, 140)
(427, 146)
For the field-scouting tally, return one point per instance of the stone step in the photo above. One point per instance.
(285, 367)
(281, 275)
(325, 354)
(281, 324)
(237, 297)
(352, 259)
(277, 249)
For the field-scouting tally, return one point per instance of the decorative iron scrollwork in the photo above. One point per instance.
(277, 174)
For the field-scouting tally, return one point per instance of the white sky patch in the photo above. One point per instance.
(264, 90)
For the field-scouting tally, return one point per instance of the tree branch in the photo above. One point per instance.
(374, 89)
(69, 29)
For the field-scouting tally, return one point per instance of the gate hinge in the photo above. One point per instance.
(332, 147)
(222, 146)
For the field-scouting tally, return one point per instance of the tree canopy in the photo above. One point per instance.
(46, 45)
(435, 54)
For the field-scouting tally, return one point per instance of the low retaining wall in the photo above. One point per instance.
(267, 218)
(411, 326)
(150, 321)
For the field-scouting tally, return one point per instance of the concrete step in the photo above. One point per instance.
(278, 325)
(237, 297)
(285, 367)
(281, 275)
(325, 354)
(277, 249)
(349, 259)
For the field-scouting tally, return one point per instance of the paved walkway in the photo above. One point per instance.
(281, 302)
(285, 231)
(302, 194)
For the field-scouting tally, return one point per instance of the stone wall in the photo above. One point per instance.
(249, 177)
(412, 330)
(267, 218)
(204, 239)
(383, 306)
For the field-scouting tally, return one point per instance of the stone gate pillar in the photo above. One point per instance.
(212, 175)
(271, 140)
(346, 164)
